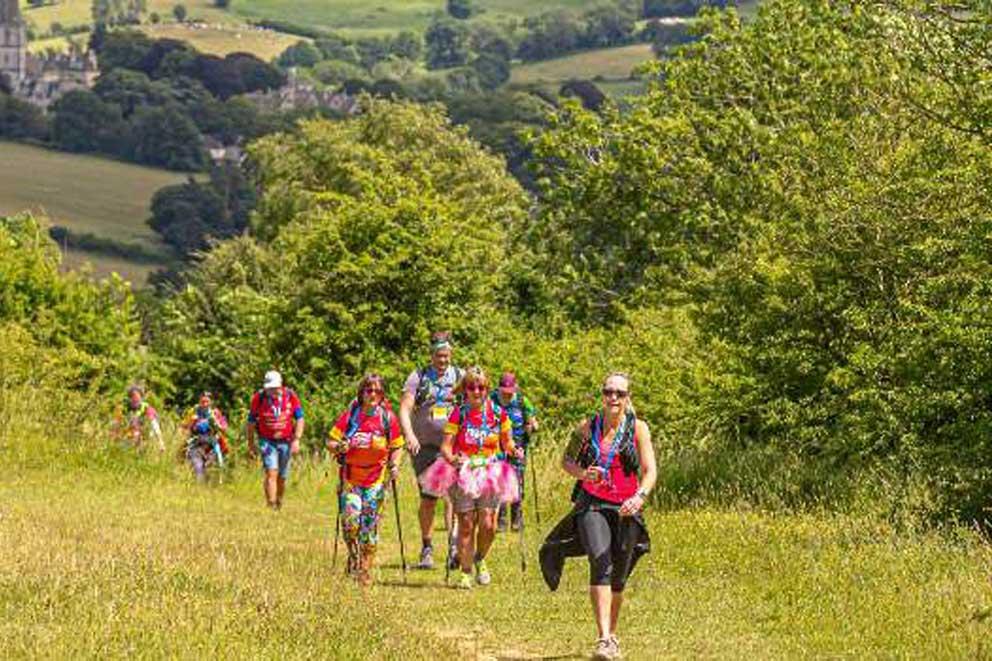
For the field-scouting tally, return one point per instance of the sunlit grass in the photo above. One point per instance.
(112, 554)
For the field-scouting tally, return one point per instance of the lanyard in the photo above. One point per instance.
(597, 436)
(440, 389)
(277, 407)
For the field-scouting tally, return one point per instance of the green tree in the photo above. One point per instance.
(460, 9)
(179, 11)
(131, 90)
(84, 123)
(91, 328)
(300, 54)
(395, 207)
(493, 70)
(447, 45)
(167, 137)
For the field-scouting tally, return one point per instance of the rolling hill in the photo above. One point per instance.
(91, 195)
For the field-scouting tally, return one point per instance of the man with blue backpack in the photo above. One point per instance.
(427, 401)
(523, 416)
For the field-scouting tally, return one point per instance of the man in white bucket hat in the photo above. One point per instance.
(277, 416)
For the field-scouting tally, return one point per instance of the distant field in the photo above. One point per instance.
(223, 39)
(372, 16)
(85, 193)
(77, 12)
(610, 63)
(102, 266)
(349, 16)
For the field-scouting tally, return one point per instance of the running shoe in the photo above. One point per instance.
(453, 562)
(482, 575)
(426, 558)
(465, 582)
(605, 650)
(617, 654)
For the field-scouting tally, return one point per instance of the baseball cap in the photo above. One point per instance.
(273, 379)
(508, 382)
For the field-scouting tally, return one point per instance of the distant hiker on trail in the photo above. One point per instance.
(425, 407)
(523, 417)
(612, 460)
(207, 429)
(369, 445)
(477, 439)
(134, 419)
(276, 415)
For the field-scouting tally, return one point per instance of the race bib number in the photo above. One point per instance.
(439, 413)
(361, 440)
(476, 436)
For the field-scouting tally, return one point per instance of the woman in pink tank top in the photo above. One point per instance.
(613, 462)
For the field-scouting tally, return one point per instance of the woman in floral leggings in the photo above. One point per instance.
(369, 445)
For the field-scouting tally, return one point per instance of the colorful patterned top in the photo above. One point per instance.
(371, 436)
(482, 431)
(275, 416)
(131, 422)
(519, 411)
(208, 421)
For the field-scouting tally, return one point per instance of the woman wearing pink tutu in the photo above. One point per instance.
(473, 470)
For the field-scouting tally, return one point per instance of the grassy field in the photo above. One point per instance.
(609, 63)
(77, 12)
(112, 555)
(350, 16)
(85, 193)
(221, 39)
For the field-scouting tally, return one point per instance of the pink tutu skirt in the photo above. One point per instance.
(495, 479)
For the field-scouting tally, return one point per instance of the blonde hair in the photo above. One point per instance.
(473, 374)
(630, 398)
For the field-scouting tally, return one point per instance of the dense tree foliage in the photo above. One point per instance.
(191, 215)
(826, 216)
(786, 240)
(88, 330)
(377, 228)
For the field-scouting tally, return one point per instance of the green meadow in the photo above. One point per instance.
(87, 194)
(111, 554)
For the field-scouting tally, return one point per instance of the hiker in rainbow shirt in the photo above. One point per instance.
(473, 470)
(369, 445)
(207, 429)
(135, 418)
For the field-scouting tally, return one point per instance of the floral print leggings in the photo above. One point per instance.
(360, 507)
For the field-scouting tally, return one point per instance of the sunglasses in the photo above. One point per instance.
(372, 390)
(475, 387)
(610, 392)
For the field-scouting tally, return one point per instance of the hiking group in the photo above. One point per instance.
(469, 447)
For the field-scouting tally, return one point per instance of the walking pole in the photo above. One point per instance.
(533, 479)
(523, 544)
(399, 527)
(451, 538)
(337, 520)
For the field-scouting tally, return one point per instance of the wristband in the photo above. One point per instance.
(643, 494)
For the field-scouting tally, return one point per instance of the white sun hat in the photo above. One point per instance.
(273, 379)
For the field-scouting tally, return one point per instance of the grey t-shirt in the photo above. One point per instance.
(429, 416)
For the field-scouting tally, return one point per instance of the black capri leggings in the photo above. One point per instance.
(600, 534)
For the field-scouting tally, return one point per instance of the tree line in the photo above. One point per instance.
(791, 260)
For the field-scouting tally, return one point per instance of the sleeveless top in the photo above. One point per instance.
(620, 483)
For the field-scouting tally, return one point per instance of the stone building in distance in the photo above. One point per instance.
(40, 80)
(13, 42)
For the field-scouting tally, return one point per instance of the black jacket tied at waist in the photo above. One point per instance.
(563, 541)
